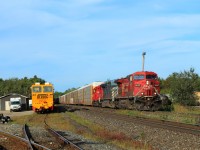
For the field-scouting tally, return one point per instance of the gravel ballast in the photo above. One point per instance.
(159, 138)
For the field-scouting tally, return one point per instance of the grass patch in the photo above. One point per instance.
(59, 121)
(21, 119)
(179, 114)
(55, 120)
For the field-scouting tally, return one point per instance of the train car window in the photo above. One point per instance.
(37, 89)
(138, 77)
(47, 89)
(151, 77)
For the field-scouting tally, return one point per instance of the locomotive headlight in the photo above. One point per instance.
(147, 82)
(142, 93)
(155, 93)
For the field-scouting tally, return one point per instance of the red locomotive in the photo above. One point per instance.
(140, 90)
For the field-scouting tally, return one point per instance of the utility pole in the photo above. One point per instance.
(143, 54)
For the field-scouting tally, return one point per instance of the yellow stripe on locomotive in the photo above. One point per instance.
(42, 97)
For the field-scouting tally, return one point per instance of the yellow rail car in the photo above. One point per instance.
(42, 97)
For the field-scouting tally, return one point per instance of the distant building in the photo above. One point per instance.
(5, 101)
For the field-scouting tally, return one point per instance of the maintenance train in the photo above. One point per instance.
(42, 97)
(139, 90)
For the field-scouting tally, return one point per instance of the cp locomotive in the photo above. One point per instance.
(42, 97)
(140, 90)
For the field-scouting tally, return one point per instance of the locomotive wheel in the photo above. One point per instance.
(156, 106)
(125, 104)
(139, 106)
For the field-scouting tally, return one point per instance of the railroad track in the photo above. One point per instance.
(173, 126)
(23, 143)
(28, 143)
(31, 144)
(61, 139)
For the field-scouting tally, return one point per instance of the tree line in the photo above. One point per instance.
(19, 86)
(180, 86)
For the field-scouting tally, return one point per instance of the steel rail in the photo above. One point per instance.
(16, 138)
(24, 141)
(175, 126)
(27, 136)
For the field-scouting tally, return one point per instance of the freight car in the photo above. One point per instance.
(42, 97)
(81, 96)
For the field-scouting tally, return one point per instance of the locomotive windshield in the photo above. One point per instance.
(37, 89)
(141, 77)
(138, 77)
(154, 77)
(47, 89)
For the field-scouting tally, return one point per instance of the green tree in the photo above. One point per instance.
(20, 86)
(57, 94)
(164, 86)
(183, 86)
(69, 90)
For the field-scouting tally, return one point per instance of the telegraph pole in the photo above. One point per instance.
(143, 54)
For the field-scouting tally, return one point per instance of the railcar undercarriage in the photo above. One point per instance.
(139, 103)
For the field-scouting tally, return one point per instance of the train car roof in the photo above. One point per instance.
(145, 72)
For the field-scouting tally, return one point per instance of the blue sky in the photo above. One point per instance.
(71, 43)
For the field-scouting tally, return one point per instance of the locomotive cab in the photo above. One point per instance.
(146, 89)
(145, 84)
